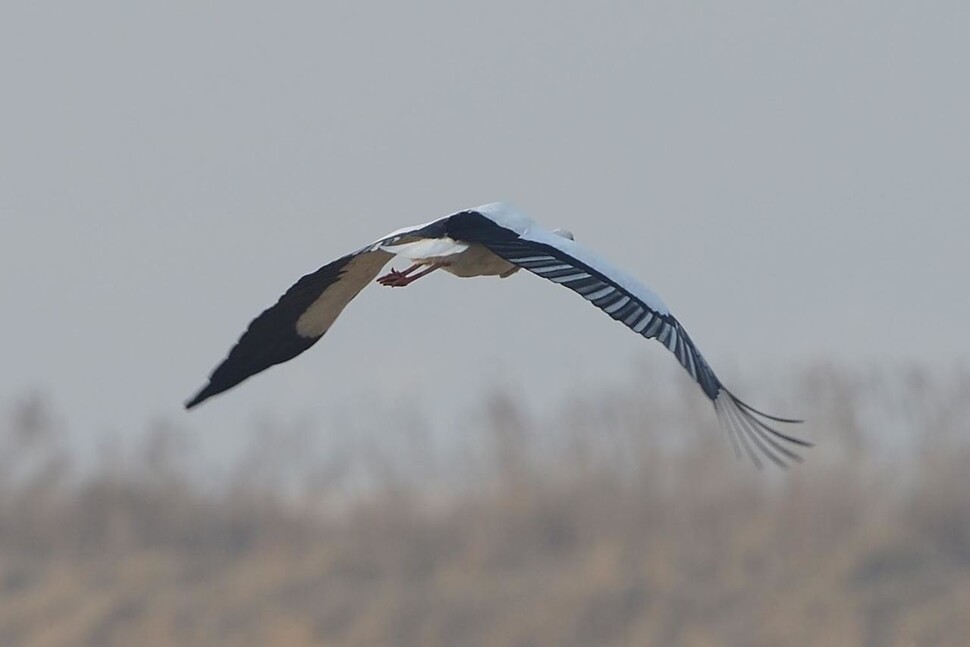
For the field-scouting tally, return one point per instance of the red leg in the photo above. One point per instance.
(401, 279)
(393, 276)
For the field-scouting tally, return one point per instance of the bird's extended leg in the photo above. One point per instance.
(395, 279)
(393, 276)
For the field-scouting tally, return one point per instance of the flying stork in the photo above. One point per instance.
(490, 240)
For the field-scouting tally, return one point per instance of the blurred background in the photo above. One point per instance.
(483, 462)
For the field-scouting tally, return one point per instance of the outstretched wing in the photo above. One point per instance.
(297, 321)
(308, 309)
(626, 300)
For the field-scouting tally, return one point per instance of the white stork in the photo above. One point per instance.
(491, 240)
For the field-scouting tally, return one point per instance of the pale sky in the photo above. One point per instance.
(792, 178)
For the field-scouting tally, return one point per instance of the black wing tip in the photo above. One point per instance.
(754, 435)
(204, 394)
(216, 385)
(747, 407)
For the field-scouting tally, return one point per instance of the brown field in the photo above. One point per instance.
(624, 521)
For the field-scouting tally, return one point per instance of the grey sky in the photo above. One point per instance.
(792, 178)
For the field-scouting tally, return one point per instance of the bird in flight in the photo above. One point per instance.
(490, 240)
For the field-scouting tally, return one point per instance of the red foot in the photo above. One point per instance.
(395, 279)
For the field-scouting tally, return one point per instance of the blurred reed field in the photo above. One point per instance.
(623, 520)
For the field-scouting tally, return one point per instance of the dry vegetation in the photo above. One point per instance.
(624, 522)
